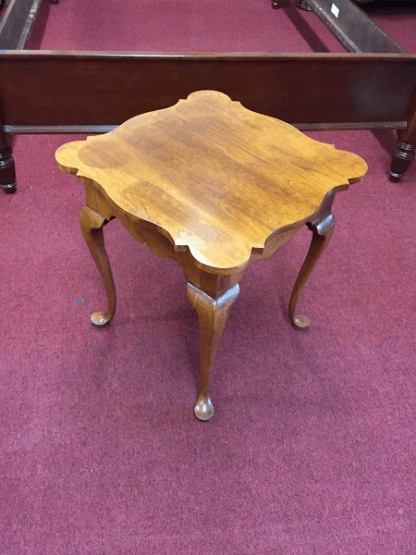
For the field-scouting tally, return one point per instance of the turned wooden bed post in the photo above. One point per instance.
(405, 149)
(7, 166)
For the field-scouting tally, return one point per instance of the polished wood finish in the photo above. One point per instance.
(212, 314)
(56, 92)
(42, 89)
(92, 229)
(215, 187)
(322, 231)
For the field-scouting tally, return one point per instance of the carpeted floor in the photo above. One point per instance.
(312, 448)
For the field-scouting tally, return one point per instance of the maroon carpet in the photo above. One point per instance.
(312, 448)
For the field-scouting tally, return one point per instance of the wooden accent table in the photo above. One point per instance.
(215, 187)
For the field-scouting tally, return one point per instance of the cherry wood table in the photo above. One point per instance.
(213, 186)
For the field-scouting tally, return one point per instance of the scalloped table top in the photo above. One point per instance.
(212, 176)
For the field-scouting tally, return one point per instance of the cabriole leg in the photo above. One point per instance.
(212, 315)
(322, 232)
(92, 229)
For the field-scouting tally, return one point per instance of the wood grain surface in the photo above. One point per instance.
(212, 176)
(213, 186)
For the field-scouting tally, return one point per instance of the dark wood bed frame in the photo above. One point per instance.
(92, 92)
(351, 26)
(17, 22)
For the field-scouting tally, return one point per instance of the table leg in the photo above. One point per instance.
(212, 315)
(92, 229)
(322, 231)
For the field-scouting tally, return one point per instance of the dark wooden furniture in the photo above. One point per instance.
(15, 29)
(351, 26)
(17, 22)
(215, 187)
(76, 92)
(358, 33)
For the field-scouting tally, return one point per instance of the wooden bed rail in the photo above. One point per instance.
(63, 92)
(17, 23)
(351, 26)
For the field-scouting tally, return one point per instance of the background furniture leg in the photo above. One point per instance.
(212, 315)
(322, 232)
(405, 149)
(402, 158)
(7, 166)
(92, 229)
